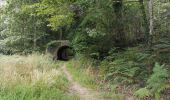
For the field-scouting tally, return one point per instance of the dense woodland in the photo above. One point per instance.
(126, 42)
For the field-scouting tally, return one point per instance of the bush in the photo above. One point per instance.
(156, 83)
(125, 66)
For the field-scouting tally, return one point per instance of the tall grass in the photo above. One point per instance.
(33, 77)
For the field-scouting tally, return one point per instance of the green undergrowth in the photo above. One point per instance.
(33, 77)
(131, 73)
(82, 73)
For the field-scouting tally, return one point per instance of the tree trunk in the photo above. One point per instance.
(61, 34)
(146, 23)
(120, 34)
(35, 36)
(35, 40)
(151, 20)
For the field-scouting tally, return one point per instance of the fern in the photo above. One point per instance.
(143, 92)
(157, 81)
(126, 66)
(155, 84)
(158, 78)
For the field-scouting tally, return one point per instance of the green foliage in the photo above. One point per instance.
(158, 78)
(27, 24)
(56, 12)
(125, 66)
(53, 44)
(156, 83)
(143, 92)
(59, 20)
(22, 32)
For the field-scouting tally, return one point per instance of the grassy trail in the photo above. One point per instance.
(76, 88)
(87, 79)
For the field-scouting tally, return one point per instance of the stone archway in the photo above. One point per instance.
(60, 50)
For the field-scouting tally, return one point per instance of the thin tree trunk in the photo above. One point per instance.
(61, 34)
(35, 36)
(151, 20)
(144, 15)
(120, 34)
(35, 41)
(151, 31)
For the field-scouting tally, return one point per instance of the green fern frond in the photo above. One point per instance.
(157, 78)
(143, 92)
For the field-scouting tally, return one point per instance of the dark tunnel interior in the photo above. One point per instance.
(65, 53)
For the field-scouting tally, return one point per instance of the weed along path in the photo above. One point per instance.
(76, 88)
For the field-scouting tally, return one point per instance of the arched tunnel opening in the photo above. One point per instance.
(65, 53)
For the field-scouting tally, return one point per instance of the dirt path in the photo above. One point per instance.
(76, 88)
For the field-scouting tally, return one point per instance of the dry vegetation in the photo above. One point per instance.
(31, 77)
(27, 70)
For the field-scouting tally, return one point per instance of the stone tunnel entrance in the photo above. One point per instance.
(60, 50)
(65, 53)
